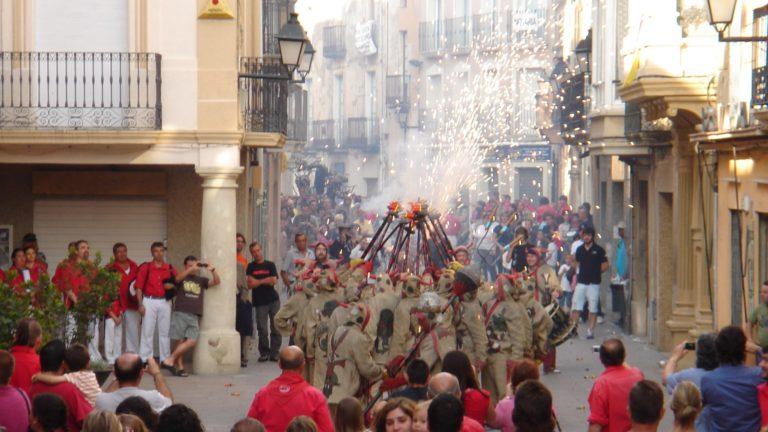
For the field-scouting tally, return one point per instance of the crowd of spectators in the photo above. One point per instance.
(719, 393)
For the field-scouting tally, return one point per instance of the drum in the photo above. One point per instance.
(563, 326)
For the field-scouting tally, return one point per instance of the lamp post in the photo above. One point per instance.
(306, 61)
(296, 53)
(720, 14)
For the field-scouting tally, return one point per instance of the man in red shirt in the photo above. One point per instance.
(52, 360)
(289, 396)
(609, 398)
(27, 338)
(73, 274)
(131, 319)
(151, 282)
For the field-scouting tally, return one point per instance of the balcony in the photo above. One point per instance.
(362, 133)
(297, 114)
(488, 30)
(527, 26)
(633, 120)
(80, 90)
(323, 134)
(431, 38)
(264, 101)
(334, 45)
(457, 35)
(397, 90)
(574, 110)
(760, 87)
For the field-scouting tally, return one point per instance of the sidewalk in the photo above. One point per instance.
(222, 400)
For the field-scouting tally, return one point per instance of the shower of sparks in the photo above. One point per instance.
(466, 124)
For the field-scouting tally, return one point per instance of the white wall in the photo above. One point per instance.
(172, 28)
(82, 25)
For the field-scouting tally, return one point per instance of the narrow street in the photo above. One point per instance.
(221, 400)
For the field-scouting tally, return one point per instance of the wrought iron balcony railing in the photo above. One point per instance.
(264, 101)
(431, 38)
(362, 133)
(633, 120)
(397, 90)
(457, 34)
(80, 90)
(488, 29)
(323, 134)
(574, 109)
(760, 87)
(334, 43)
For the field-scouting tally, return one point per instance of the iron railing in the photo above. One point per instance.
(488, 29)
(334, 44)
(264, 101)
(574, 109)
(527, 25)
(760, 87)
(397, 90)
(633, 120)
(457, 35)
(323, 134)
(431, 35)
(80, 90)
(297, 114)
(362, 133)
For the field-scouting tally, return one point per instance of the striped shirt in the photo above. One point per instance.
(86, 382)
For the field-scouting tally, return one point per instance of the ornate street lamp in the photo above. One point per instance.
(292, 43)
(720, 14)
(583, 52)
(306, 61)
(296, 53)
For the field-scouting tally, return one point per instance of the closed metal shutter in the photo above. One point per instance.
(102, 223)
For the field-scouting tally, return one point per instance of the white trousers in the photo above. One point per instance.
(132, 324)
(157, 312)
(113, 340)
(93, 341)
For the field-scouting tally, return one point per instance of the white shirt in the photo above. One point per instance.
(565, 283)
(110, 401)
(485, 237)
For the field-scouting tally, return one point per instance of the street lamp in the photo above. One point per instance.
(306, 61)
(296, 53)
(292, 43)
(583, 51)
(720, 14)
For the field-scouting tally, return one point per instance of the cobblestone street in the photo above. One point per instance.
(220, 401)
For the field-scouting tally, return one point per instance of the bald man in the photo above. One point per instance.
(445, 383)
(129, 371)
(289, 396)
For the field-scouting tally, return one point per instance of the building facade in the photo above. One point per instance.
(126, 121)
(671, 137)
(385, 90)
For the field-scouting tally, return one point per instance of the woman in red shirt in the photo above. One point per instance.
(477, 402)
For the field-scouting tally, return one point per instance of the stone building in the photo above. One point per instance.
(379, 88)
(126, 121)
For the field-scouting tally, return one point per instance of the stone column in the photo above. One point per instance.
(218, 348)
(704, 297)
(272, 185)
(682, 317)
